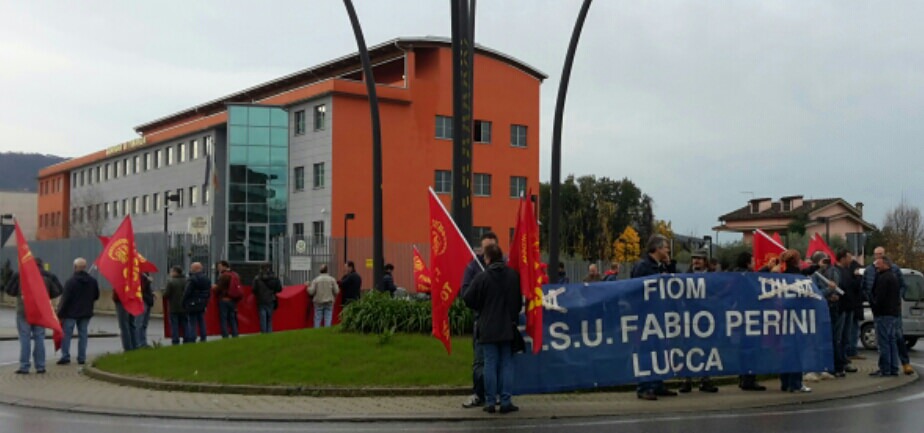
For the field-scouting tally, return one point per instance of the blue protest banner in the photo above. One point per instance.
(660, 327)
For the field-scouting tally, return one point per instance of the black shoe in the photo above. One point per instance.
(509, 408)
(64, 361)
(665, 393)
(850, 369)
(708, 387)
(840, 374)
(647, 395)
(686, 387)
(39, 371)
(22, 371)
(753, 387)
(489, 409)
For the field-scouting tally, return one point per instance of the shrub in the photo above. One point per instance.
(378, 313)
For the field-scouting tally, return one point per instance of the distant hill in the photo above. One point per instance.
(18, 171)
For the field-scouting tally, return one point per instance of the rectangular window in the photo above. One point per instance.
(319, 175)
(299, 122)
(320, 116)
(108, 172)
(137, 164)
(155, 201)
(181, 152)
(482, 185)
(299, 178)
(298, 229)
(81, 177)
(477, 232)
(517, 186)
(205, 195)
(169, 156)
(145, 203)
(125, 208)
(444, 127)
(108, 210)
(443, 182)
(136, 206)
(126, 167)
(482, 132)
(156, 159)
(208, 145)
(194, 149)
(118, 169)
(179, 192)
(147, 161)
(317, 232)
(193, 195)
(518, 135)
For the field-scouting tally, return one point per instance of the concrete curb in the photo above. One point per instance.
(49, 336)
(281, 390)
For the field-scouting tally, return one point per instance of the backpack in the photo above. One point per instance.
(235, 291)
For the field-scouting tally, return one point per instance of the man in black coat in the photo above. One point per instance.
(656, 261)
(195, 300)
(495, 295)
(887, 310)
(265, 288)
(76, 308)
(350, 285)
(474, 268)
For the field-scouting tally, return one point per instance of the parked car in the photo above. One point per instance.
(912, 312)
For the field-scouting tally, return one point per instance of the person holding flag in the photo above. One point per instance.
(34, 287)
(474, 268)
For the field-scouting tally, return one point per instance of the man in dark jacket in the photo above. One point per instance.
(388, 280)
(887, 309)
(265, 288)
(31, 337)
(350, 285)
(141, 320)
(474, 268)
(869, 278)
(656, 261)
(76, 308)
(227, 303)
(173, 293)
(842, 312)
(195, 299)
(495, 295)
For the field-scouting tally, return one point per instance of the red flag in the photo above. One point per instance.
(777, 238)
(449, 256)
(120, 264)
(765, 248)
(817, 243)
(525, 259)
(421, 273)
(35, 300)
(146, 266)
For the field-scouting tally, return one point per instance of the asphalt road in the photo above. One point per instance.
(894, 412)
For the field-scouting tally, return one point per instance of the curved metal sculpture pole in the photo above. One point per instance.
(462, 58)
(554, 199)
(378, 250)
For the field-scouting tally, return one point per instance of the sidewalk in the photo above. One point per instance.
(64, 388)
(11, 334)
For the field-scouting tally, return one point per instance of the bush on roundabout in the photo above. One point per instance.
(379, 313)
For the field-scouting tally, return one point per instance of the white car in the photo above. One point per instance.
(912, 312)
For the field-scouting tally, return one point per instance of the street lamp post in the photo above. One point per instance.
(169, 198)
(346, 239)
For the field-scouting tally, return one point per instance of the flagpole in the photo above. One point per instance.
(769, 238)
(470, 250)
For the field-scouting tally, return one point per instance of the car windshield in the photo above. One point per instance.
(914, 288)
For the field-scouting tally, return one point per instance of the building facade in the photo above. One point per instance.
(293, 156)
(23, 206)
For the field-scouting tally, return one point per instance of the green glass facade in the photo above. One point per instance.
(258, 161)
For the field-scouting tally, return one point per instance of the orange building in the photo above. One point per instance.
(293, 155)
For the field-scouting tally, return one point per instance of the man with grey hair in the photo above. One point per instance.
(887, 309)
(323, 291)
(76, 308)
(656, 261)
(869, 280)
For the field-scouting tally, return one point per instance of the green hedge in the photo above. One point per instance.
(378, 312)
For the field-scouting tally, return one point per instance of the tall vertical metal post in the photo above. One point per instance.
(378, 248)
(555, 190)
(462, 70)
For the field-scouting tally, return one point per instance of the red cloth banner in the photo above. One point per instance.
(525, 259)
(765, 249)
(120, 264)
(450, 254)
(296, 311)
(145, 265)
(34, 294)
(421, 273)
(817, 243)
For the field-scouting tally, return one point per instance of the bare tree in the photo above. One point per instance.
(90, 218)
(903, 231)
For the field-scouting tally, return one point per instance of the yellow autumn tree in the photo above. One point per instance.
(627, 246)
(663, 228)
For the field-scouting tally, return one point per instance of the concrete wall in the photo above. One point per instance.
(24, 206)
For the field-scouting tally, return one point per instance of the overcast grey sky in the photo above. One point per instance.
(698, 102)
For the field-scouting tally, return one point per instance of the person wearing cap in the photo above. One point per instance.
(700, 265)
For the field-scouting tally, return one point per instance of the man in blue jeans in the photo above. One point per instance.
(887, 309)
(227, 299)
(31, 338)
(195, 300)
(869, 278)
(76, 308)
(495, 295)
